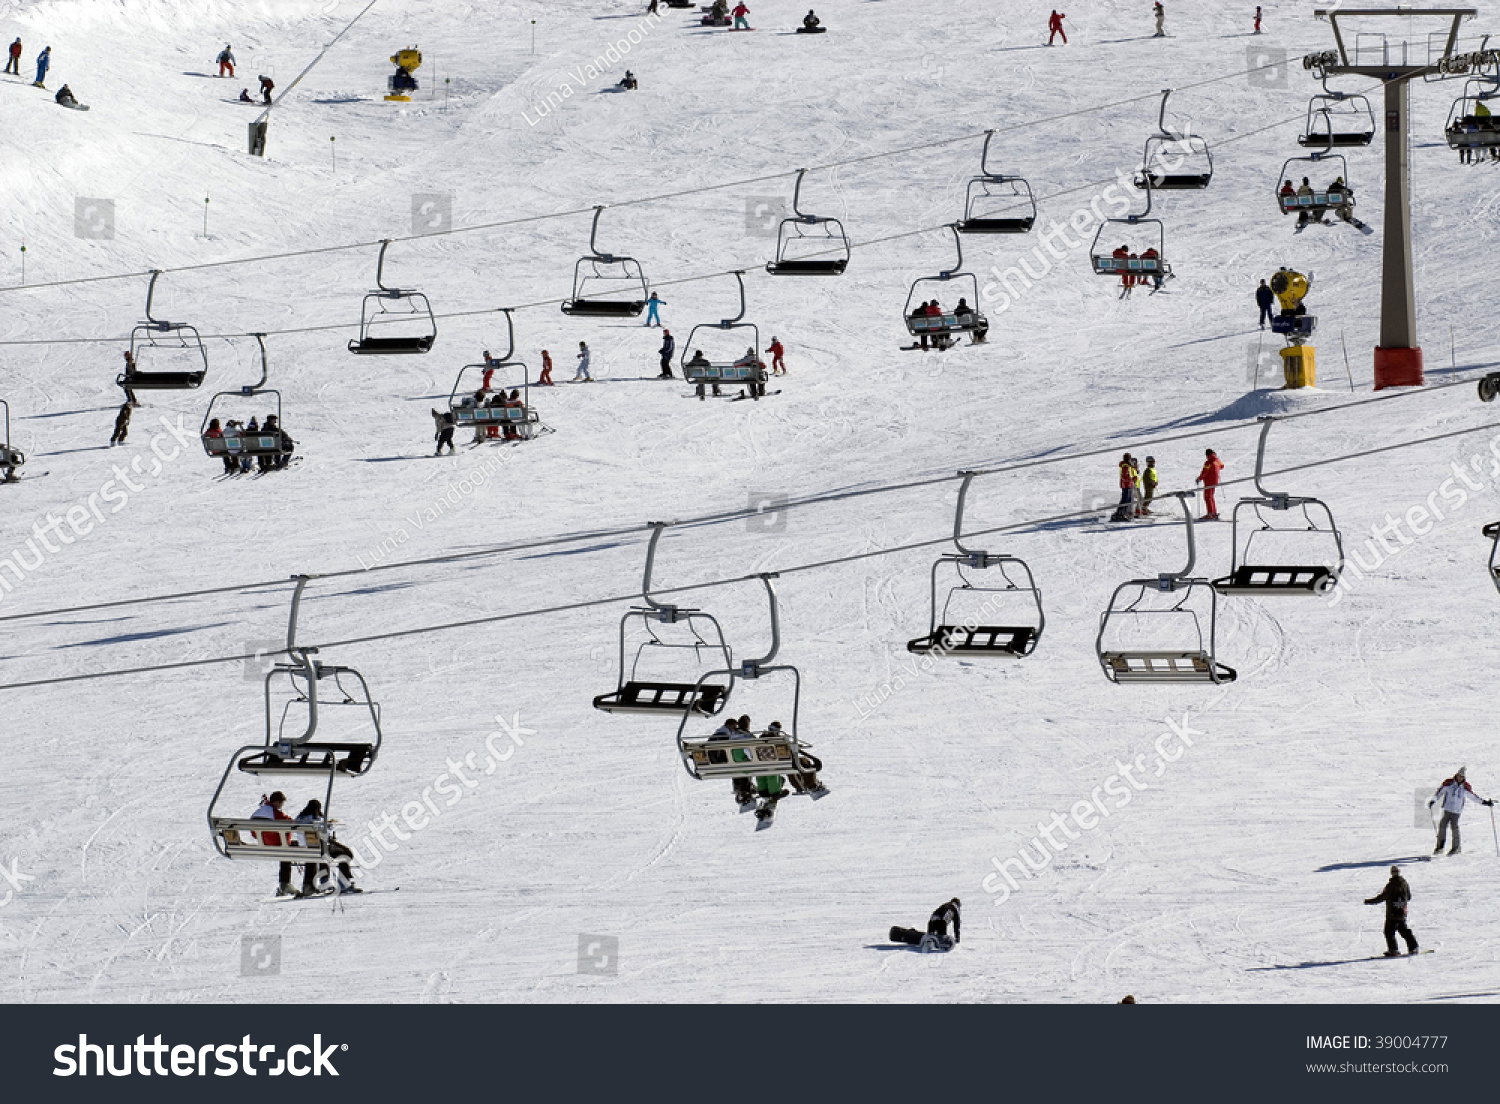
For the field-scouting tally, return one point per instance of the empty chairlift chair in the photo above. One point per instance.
(305, 689)
(163, 356)
(673, 640)
(751, 755)
(1179, 650)
(606, 285)
(11, 458)
(981, 633)
(945, 327)
(1251, 576)
(1174, 160)
(270, 443)
(1341, 120)
(386, 308)
(724, 365)
(996, 203)
(809, 245)
(489, 417)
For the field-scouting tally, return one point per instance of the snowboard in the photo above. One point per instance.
(742, 395)
(75, 106)
(280, 899)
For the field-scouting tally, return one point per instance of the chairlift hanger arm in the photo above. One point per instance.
(607, 258)
(958, 245)
(657, 528)
(752, 668)
(739, 277)
(1169, 580)
(260, 340)
(974, 556)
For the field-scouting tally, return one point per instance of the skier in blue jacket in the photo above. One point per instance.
(652, 318)
(43, 63)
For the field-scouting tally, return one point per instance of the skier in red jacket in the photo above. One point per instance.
(1209, 477)
(777, 351)
(741, 23)
(14, 64)
(1055, 26)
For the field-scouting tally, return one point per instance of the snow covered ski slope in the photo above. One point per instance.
(1185, 842)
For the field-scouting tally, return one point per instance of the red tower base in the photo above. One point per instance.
(1398, 368)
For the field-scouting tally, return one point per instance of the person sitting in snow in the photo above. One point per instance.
(628, 82)
(245, 96)
(810, 21)
(65, 97)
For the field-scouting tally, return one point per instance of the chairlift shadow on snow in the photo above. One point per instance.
(1312, 965)
(343, 100)
(1373, 863)
(1012, 49)
(69, 452)
(191, 73)
(155, 634)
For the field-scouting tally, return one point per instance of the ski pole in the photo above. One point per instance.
(1492, 830)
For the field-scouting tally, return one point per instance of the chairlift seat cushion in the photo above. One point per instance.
(1338, 141)
(710, 757)
(1163, 666)
(1115, 266)
(1177, 182)
(160, 381)
(1492, 530)
(604, 308)
(311, 758)
(388, 346)
(238, 445)
(1252, 579)
(1002, 640)
(664, 697)
(247, 838)
(808, 268)
(736, 373)
(996, 225)
(946, 323)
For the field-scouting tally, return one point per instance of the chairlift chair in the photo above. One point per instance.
(304, 755)
(944, 327)
(1247, 577)
(471, 412)
(726, 366)
(1338, 120)
(1492, 531)
(947, 635)
(1321, 199)
(606, 285)
(11, 458)
(996, 203)
(387, 306)
(1197, 663)
(1194, 173)
(238, 442)
(1489, 387)
(637, 694)
(1106, 263)
(155, 339)
(711, 757)
(1467, 126)
(809, 245)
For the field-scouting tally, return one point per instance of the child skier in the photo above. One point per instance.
(545, 379)
(777, 351)
(652, 305)
(445, 423)
(741, 20)
(583, 364)
(1209, 478)
(1148, 485)
(226, 61)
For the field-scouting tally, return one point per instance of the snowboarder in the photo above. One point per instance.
(226, 61)
(445, 423)
(651, 8)
(668, 347)
(270, 809)
(14, 64)
(1264, 297)
(122, 425)
(583, 364)
(1055, 27)
(545, 379)
(1161, 19)
(718, 15)
(43, 63)
(315, 876)
(1257, 19)
(741, 17)
(1150, 254)
(811, 24)
(1395, 895)
(653, 304)
(937, 929)
(1209, 477)
(65, 97)
(628, 82)
(129, 372)
(266, 85)
(1148, 485)
(777, 351)
(245, 96)
(1451, 795)
(1126, 509)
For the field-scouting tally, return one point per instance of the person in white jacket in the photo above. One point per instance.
(583, 364)
(1451, 796)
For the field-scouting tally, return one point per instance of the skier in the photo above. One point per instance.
(963, 313)
(245, 96)
(1264, 297)
(122, 424)
(651, 8)
(226, 60)
(270, 809)
(1209, 477)
(1055, 27)
(771, 788)
(741, 22)
(668, 347)
(1127, 281)
(652, 306)
(315, 876)
(777, 351)
(65, 97)
(1396, 894)
(444, 421)
(1451, 795)
(1161, 19)
(628, 82)
(1126, 509)
(937, 929)
(266, 85)
(43, 63)
(1148, 485)
(1156, 277)
(583, 364)
(545, 379)
(806, 780)
(1257, 19)
(811, 24)
(14, 64)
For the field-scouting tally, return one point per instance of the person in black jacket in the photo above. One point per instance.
(1396, 894)
(668, 347)
(1264, 297)
(937, 929)
(445, 423)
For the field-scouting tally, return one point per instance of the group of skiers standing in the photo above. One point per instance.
(1138, 487)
